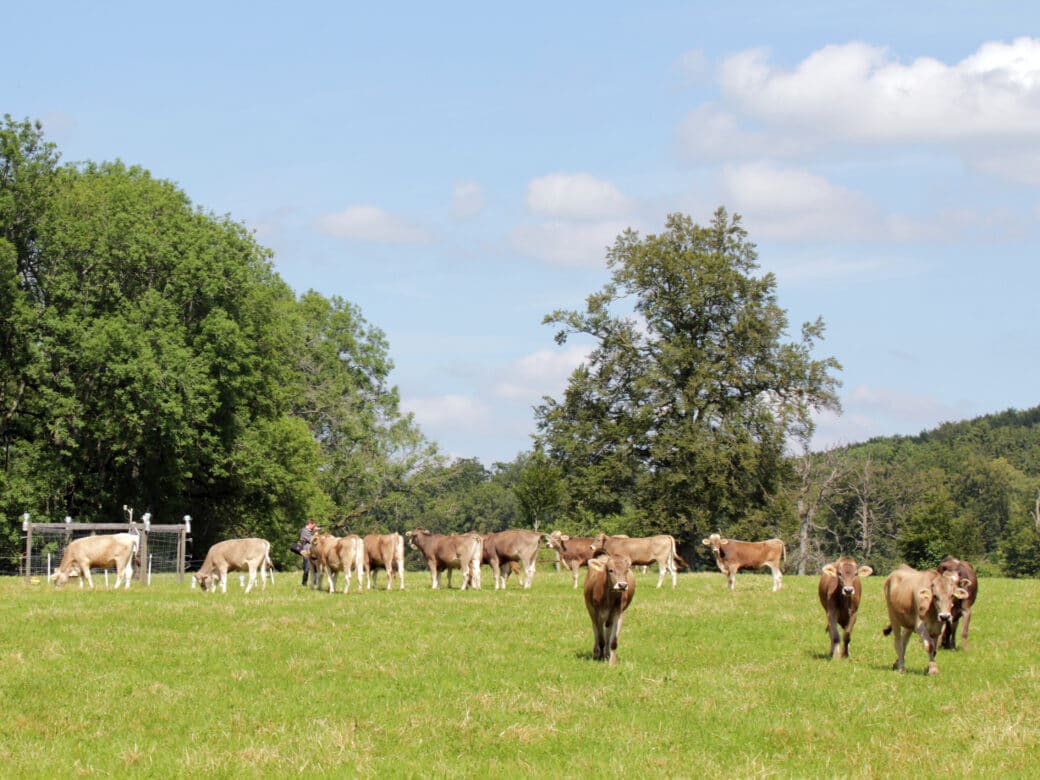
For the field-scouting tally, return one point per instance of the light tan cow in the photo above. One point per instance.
(386, 550)
(514, 545)
(339, 554)
(573, 551)
(102, 552)
(251, 554)
(642, 551)
(920, 602)
(732, 555)
(450, 552)
(839, 590)
(610, 587)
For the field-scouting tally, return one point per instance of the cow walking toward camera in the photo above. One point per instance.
(732, 555)
(961, 607)
(920, 602)
(839, 592)
(610, 587)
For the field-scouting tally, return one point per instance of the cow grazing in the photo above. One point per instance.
(732, 556)
(840, 591)
(573, 551)
(252, 555)
(961, 607)
(386, 550)
(920, 602)
(610, 586)
(102, 552)
(449, 551)
(643, 551)
(336, 554)
(513, 546)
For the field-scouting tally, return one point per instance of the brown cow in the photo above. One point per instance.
(250, 555)
(454, 551)
(574, 551)
(104, 551)
(961, 607)
(839, 591)
(514, 545)
(732, 556)
(643, 551)
(386, 550)
(921, 602)
(610, 587)
(335, 554)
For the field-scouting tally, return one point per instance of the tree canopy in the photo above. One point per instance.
(681, 416)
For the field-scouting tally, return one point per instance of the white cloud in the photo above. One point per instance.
(467, 200)
(575, 196)
(371, 223)
(794, 204)
(582, 244)
(859, 92)
(448, 412)
(540, 373)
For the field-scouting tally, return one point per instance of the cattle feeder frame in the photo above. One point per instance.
(165, 543)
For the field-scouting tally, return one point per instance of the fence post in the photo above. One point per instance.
(27, 527)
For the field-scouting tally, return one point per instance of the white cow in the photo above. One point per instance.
(101, 552)
(250, 555)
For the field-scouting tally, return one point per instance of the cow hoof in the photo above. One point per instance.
(933, 668)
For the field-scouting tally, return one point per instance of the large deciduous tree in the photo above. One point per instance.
(686, 405)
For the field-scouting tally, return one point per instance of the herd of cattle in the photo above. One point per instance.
(929, 603)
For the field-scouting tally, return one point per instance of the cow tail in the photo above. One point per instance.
(677, 557)
(887, 630)
(783, 553)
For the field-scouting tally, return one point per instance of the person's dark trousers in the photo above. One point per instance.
(306, 569)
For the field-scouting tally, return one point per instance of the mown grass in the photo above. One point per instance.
(168, 681)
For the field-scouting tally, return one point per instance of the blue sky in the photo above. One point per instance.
(458, 169)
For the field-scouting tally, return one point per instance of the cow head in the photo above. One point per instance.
(599, 544)
(410, 536)
(943, 590)
(847, 574)
(617, 567)
(554, 541)
(205, 580)
(715, 542)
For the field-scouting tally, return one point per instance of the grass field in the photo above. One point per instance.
(166, 681)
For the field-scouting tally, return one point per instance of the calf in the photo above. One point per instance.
(920, 602)
(451, 551)
(732, 555)
(512, 546)
(574, 551)
(610, 587)
(839, 591)
(102, 552)
(643, 551)
(961, 607)
(386, 550)
(250, 555)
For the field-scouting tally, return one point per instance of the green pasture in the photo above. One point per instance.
(167, 681)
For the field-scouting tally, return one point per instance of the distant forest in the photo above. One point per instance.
(151, 356)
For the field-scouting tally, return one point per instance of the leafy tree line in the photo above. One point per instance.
(149, 355)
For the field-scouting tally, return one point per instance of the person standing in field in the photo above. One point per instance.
(303, 547)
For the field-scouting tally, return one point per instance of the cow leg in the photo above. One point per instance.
(85, 575)
(964, 631)
(832, 631)
(496, 572)
(777, 576)
(599, 639)
(674, 569)
(529, 574)
(400, 572)
(615, 632)
(731, 573)
(901, 637)
(662, 569)
(848, 633)
(574, 571)
(930, 645)
(435, 576)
